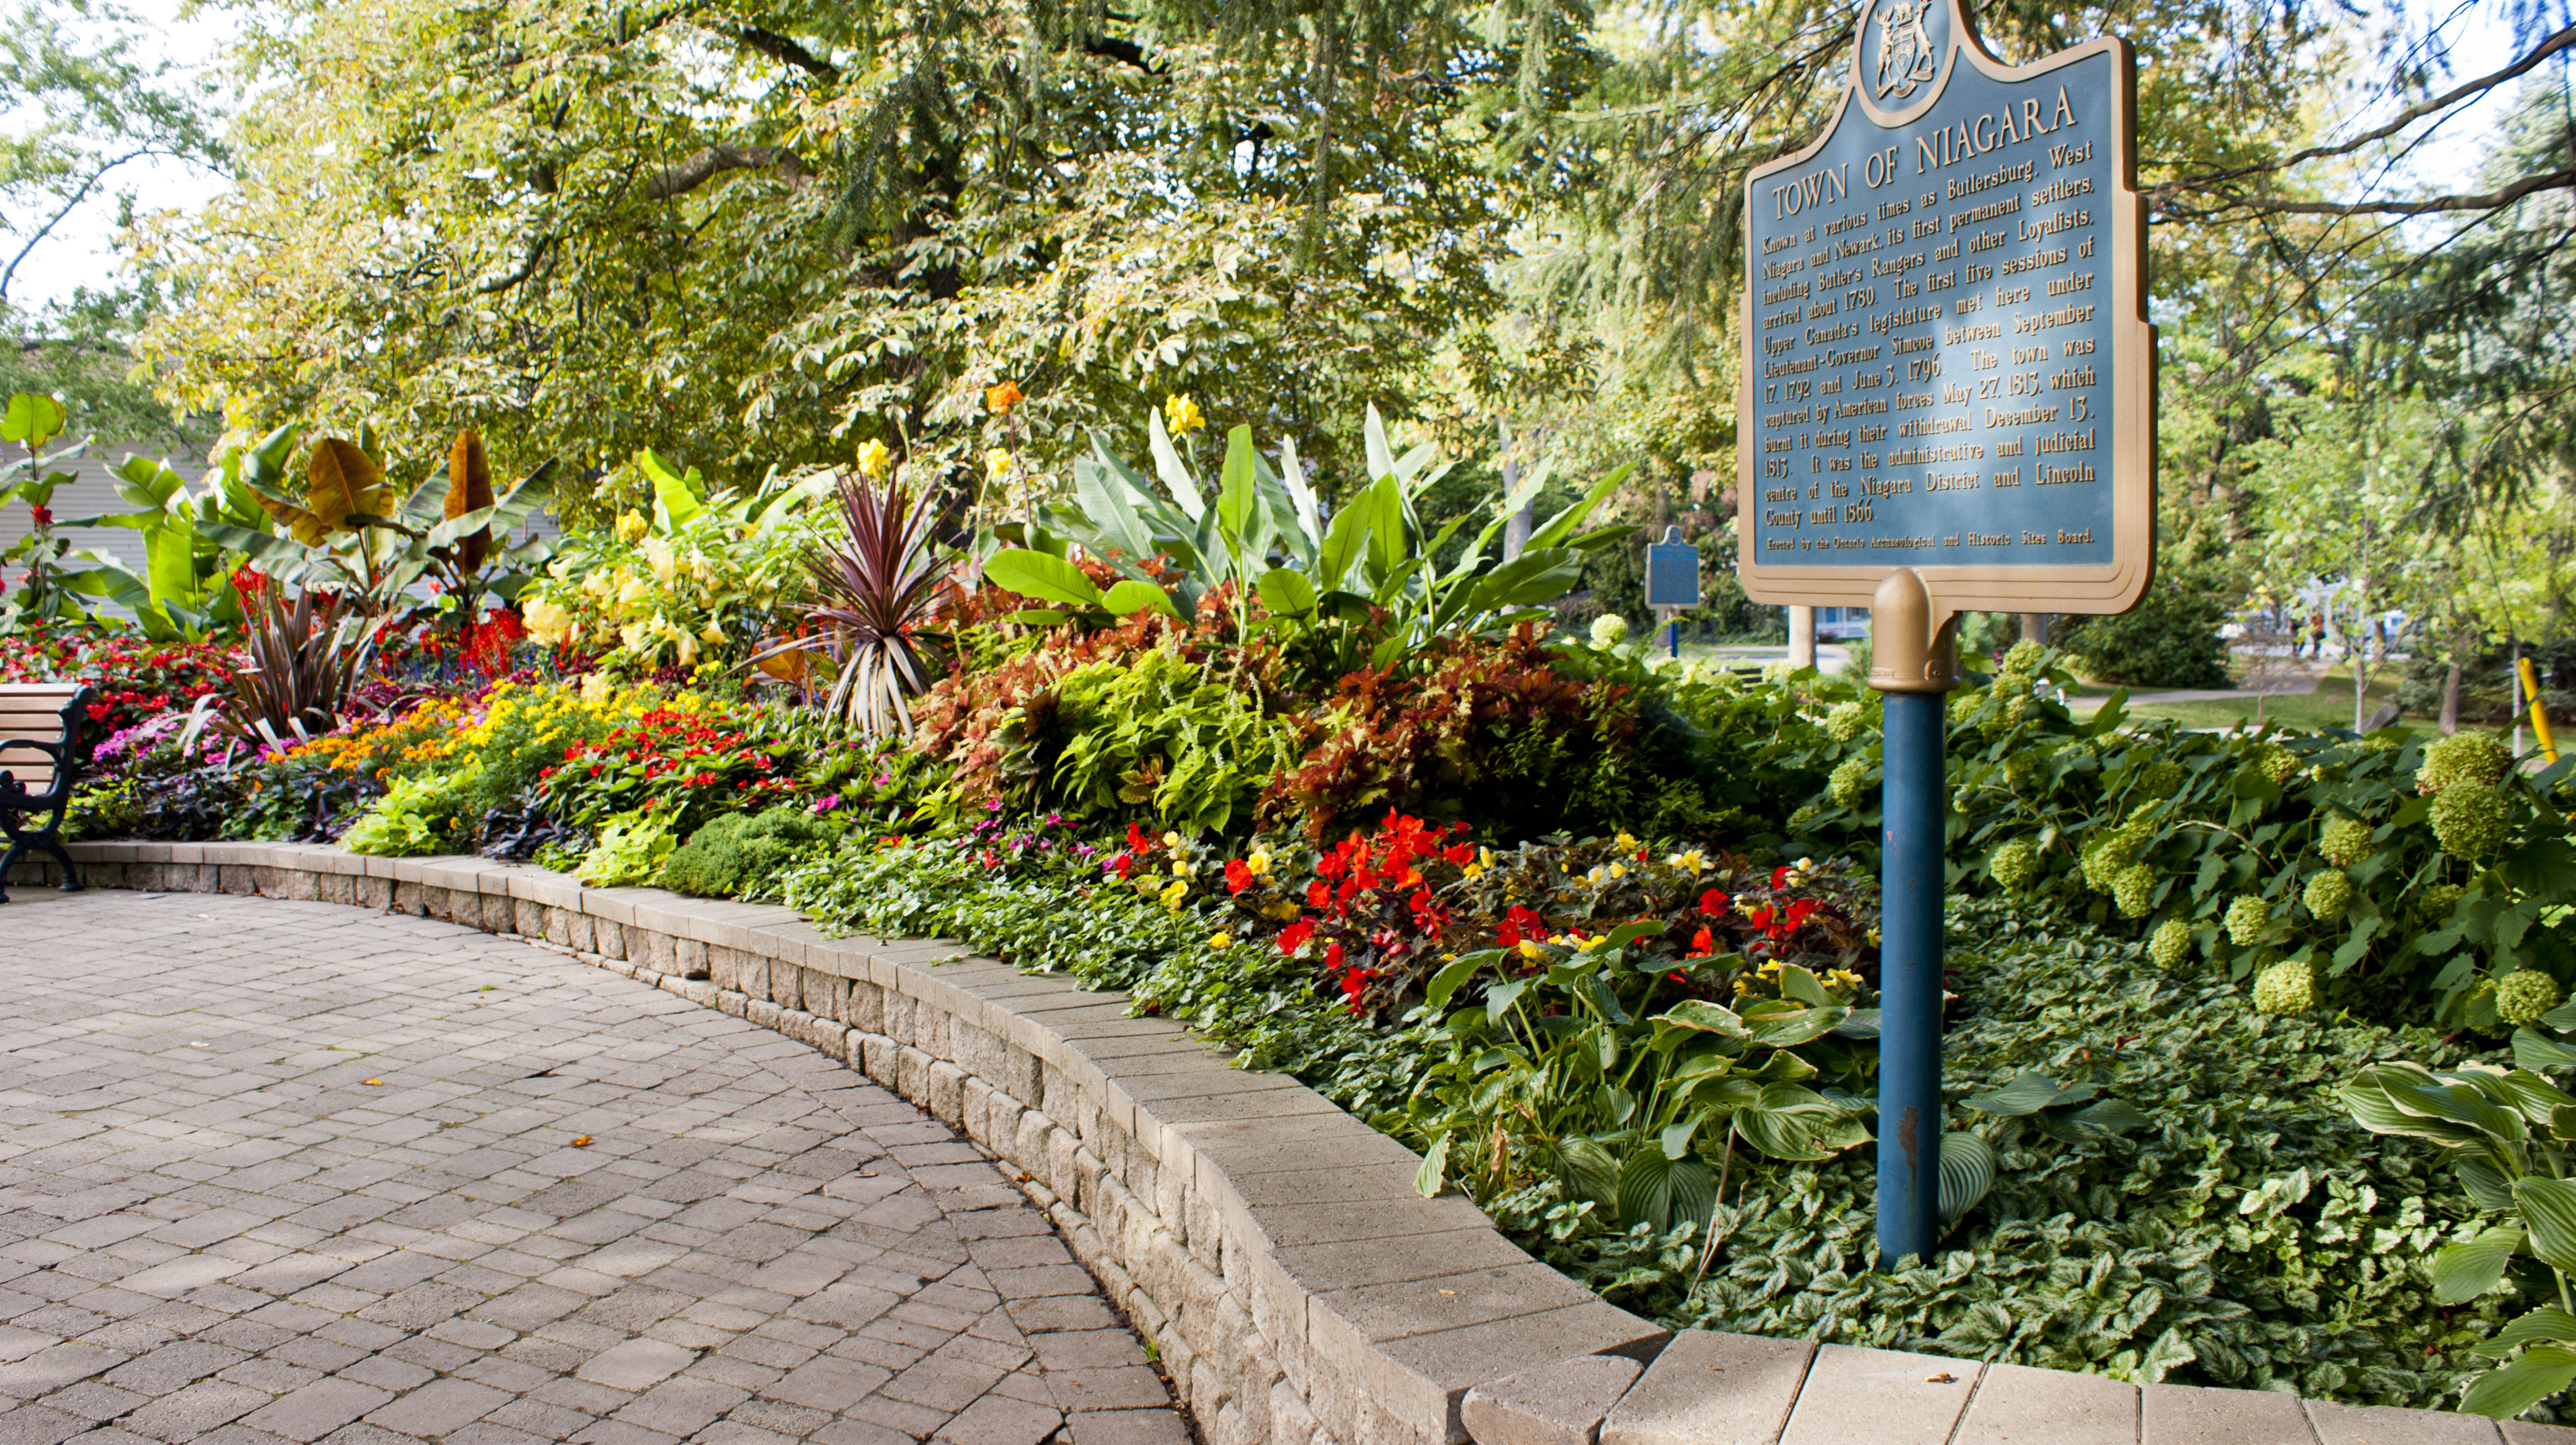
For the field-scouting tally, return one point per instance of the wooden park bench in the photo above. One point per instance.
(40, 723)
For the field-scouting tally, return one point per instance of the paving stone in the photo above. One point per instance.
(2015, 1403)
(2192, 1415)
(297, 1257)
(1129, 1427)
(1712, 1388)
(2386, 1425)
(1887, 1397)
(1560, 1404)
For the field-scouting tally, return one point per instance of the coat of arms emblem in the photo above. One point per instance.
(1906, 60)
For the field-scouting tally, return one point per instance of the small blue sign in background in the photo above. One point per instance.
(1672, 572)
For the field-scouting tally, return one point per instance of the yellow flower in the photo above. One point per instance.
(1000, 465)
(1183, 414)
(712, 635)
(1258, 865)
(1627, 841)
(1172, 840)
(1618, 870)
(1693, 860)
(875, 460)
(631, 528)
(1220, 940)
(1530, 949)
(551, 623)
(1000, 399)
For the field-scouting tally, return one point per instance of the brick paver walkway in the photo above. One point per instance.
(277, 1172)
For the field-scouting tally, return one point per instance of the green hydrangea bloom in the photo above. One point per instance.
(2279, 764)
(1609, 630)
(2478, 759)
(2247, 918)
(2440, 898)
(1850, 780)
(2022, 708)
(2117, 849)
(2171, 944)
(2287, 987)
(2468, 820)
(2522, 997)
(2135, 891)
(1800, 820)
(1846, 721)
(2160, 779)
(2023, 657)
(2021, 767)
(2345, 841)
(2014, 864)
(2328, 893)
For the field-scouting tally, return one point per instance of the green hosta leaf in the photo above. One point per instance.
(2027, 1094)
(2548, 1323)
(2470, 1268)
(1035, 574)
(1427, 1179)
(1589, 1171)
(1663, 1192)
(1705, 1017)
(1967, 1173)
(2487, 1184)
(1797, 983)
(1799, 1026)
(2540, 1372)
(1452, 974)
(2533, 1050)
(1129, 597)
(2549, 1211)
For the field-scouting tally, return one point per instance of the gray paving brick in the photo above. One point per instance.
(293, 1256)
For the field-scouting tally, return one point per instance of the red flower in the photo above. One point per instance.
(1138, 841)
(1713, 903)
(1294, 936)
(1238, 876)
(44, 515)
(1703, 944)
(1318, 894)
(1520, 923)
(1459, 853)
(1780, 876)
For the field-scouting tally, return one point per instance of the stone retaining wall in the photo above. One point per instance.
(1270, 1246)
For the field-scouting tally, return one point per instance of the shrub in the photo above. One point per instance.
(418, 817)
(741, 852)
(2169, 640)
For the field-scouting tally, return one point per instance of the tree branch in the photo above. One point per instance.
(716, 160)
(56, 218)
(2404, 118)
(2492, 200)
(787, 51)
(526, 269)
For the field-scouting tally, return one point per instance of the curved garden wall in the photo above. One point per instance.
(1270, 1245)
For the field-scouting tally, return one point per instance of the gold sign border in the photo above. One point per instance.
(2112, 588)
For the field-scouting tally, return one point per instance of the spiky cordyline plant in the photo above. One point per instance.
(874, 598)
(305, 659)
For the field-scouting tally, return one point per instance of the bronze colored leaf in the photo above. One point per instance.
(469, 489)
(300, 524)
(343, 481)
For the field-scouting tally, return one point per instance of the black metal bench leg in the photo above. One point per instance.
(53, 843)
(8, 860)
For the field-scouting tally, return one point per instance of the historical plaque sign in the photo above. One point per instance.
(1947, 364)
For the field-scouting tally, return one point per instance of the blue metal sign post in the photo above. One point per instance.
(1947, 403)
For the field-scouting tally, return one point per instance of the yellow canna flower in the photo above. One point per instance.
(875, 460)
(631, 528)
(1183, 414)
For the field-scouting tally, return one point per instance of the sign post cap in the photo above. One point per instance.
(1914, 642)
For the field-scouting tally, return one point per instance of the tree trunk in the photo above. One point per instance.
(2451, 701)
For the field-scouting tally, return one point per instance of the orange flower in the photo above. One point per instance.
(1000, 399)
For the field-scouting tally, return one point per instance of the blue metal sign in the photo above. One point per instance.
(1672, 572)
(1947, 364)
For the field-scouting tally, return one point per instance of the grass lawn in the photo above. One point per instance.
(2329, 706)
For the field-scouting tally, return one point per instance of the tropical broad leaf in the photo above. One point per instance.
(1168, 465)
(1967, 1173)
(31, 420)
(1286, 593)
(1036, 574)
(2463, 1271)
(2027, 1094)
(469, 490)
(342, 481)
(1127, 597)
